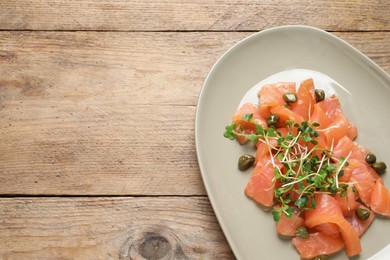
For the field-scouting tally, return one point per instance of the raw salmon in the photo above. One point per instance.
(347, 203)
(352, 131)
(336, 130)
(360, 226)
(246, 126)
(249, 108)
(261, 151)
(271, 95)
(328, 211)
(319, 117)
(352, 164)
(345, 146)
(287, 226)
(286, 114)
(317, 244)
(331, 107)
(329, 229)
(261, 184)
(363, 182)
(305, 104)
(380, 199)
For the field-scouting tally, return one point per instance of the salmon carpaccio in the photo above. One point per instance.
(329, 213)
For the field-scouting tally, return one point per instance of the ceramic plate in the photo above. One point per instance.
(364, 91)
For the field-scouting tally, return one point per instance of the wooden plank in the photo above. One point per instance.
(62, 147)
(143, 68)
(110, 113)
(190, 15)
(110, 228)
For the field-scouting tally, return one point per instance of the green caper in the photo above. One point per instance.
(245, 162)
(302, 232)
(370, 158)
(290, 97)
(286, 105)
(273, 120)
(379, 167)
(321, 257)
(320, 94)
(362, 214)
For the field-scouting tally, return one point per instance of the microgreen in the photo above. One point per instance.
(229, 133)
(247, 117)
(307, 169)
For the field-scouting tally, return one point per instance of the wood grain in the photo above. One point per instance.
(110, 228)
(98, 98)
(144, 68)
(139, 15)
(111, 113)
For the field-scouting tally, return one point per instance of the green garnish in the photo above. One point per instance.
(230, 132)
(307, 169)
(247, 117)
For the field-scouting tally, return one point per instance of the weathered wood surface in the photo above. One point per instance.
(99, 97)
(110, 228)
(190, 15)
(111, 113)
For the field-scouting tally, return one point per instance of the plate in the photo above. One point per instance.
(365, 95)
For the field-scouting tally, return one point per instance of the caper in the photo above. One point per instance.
(273, 120)
(302, 232)
(370, 158)
(290, 97)
(362, 214)
(379, 167)
(321, 257)
(245, 162)
(320, 94)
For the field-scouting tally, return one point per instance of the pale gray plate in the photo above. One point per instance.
(249, 230)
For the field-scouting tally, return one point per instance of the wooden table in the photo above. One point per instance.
(97, 109)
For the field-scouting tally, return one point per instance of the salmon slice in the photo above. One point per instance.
(331, 107)
(249, 108)
(261, 184)
(352, 131)
(247, 127)
(328, 211)
(345, 145)
(283, 130)
(352, 164)
(336, 130)
(286, 114)
(380, 199)
(317, 244)
(286, 226)
(261, 151)
(364, 182)
(358, 171)
(347, 203)
(329, 229)
(321, 144)
(305, 103)
(319, 117)
(360, 225)
(271, 95)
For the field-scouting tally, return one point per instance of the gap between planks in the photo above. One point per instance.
(2, 196)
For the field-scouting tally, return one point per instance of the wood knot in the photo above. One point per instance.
(154, 242)
(154, 247)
